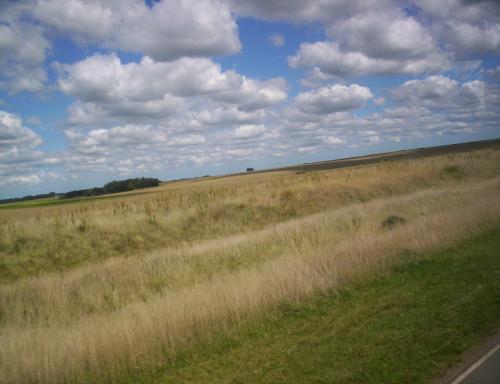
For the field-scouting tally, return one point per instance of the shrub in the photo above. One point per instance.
(393, 220)
(452, 172)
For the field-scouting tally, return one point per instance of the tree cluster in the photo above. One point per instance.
(114, 186)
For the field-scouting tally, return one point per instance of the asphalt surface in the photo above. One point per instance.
(485, 370)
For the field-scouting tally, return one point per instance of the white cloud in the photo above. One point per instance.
(247, 131)
(466, 39)
(390, 35)
(366, 41)
(429, 88)
(333, 140)
(107, 88)
(170, 29)
(329, 59)
(309, 149)
(14, 134)
(104, 78)
(99, 140)
(331, 99)
(382, 29)
(191, 139)
(466, 28)
(22, 54)
(24, 179)
(19, 158)
(254, 94)
(430, 107)
(461, 10)
(222, 116)
(438, 92)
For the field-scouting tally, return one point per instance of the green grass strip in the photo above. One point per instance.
(407, 326)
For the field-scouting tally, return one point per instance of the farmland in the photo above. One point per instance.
(140, 286)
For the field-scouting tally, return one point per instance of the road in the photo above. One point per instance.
(485, 370)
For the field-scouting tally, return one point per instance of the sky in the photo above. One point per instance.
(98, 90)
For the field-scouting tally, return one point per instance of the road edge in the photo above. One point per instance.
(469, 358)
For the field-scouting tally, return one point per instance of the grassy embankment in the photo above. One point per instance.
(405, 326)
(279, 238)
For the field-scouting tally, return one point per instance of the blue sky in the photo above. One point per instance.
(97, 90)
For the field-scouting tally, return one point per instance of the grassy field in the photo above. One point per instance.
(405, 326)
(99, 290)
(54, 238)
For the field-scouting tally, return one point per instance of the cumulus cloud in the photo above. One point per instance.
(333, 140)
(428, 107)
(186, 111)
(104, 78)
(439, 92)
(247, 131)
(168, 30)
(328, 58)
(107, 88)
(221, 116)
(331, 99)
(390, 35)
(102, 150)
(430, 88)
(190, 139)
(20, 159)
(14, 134)
(466, 28)
(16, 180)
(98, 140)
(23, 50)
(254, 94)
(362, 40)
(467, 40)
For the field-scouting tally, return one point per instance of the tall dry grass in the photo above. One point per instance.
(219, 284)
(36, 240)
(107, 286)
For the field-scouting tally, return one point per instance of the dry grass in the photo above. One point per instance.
(110, 285)
(36, 240)
(98, 321)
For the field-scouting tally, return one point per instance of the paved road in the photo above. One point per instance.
(485, 370)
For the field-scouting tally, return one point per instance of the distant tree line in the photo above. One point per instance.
(28, 197)
(114, 186)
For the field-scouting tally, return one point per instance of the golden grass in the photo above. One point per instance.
(36, 240)
(107, 286)
(102, 346)
(268, 239)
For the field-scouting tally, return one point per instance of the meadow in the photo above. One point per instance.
(102, 290)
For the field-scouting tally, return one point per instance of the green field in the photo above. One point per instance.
(51, 201)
